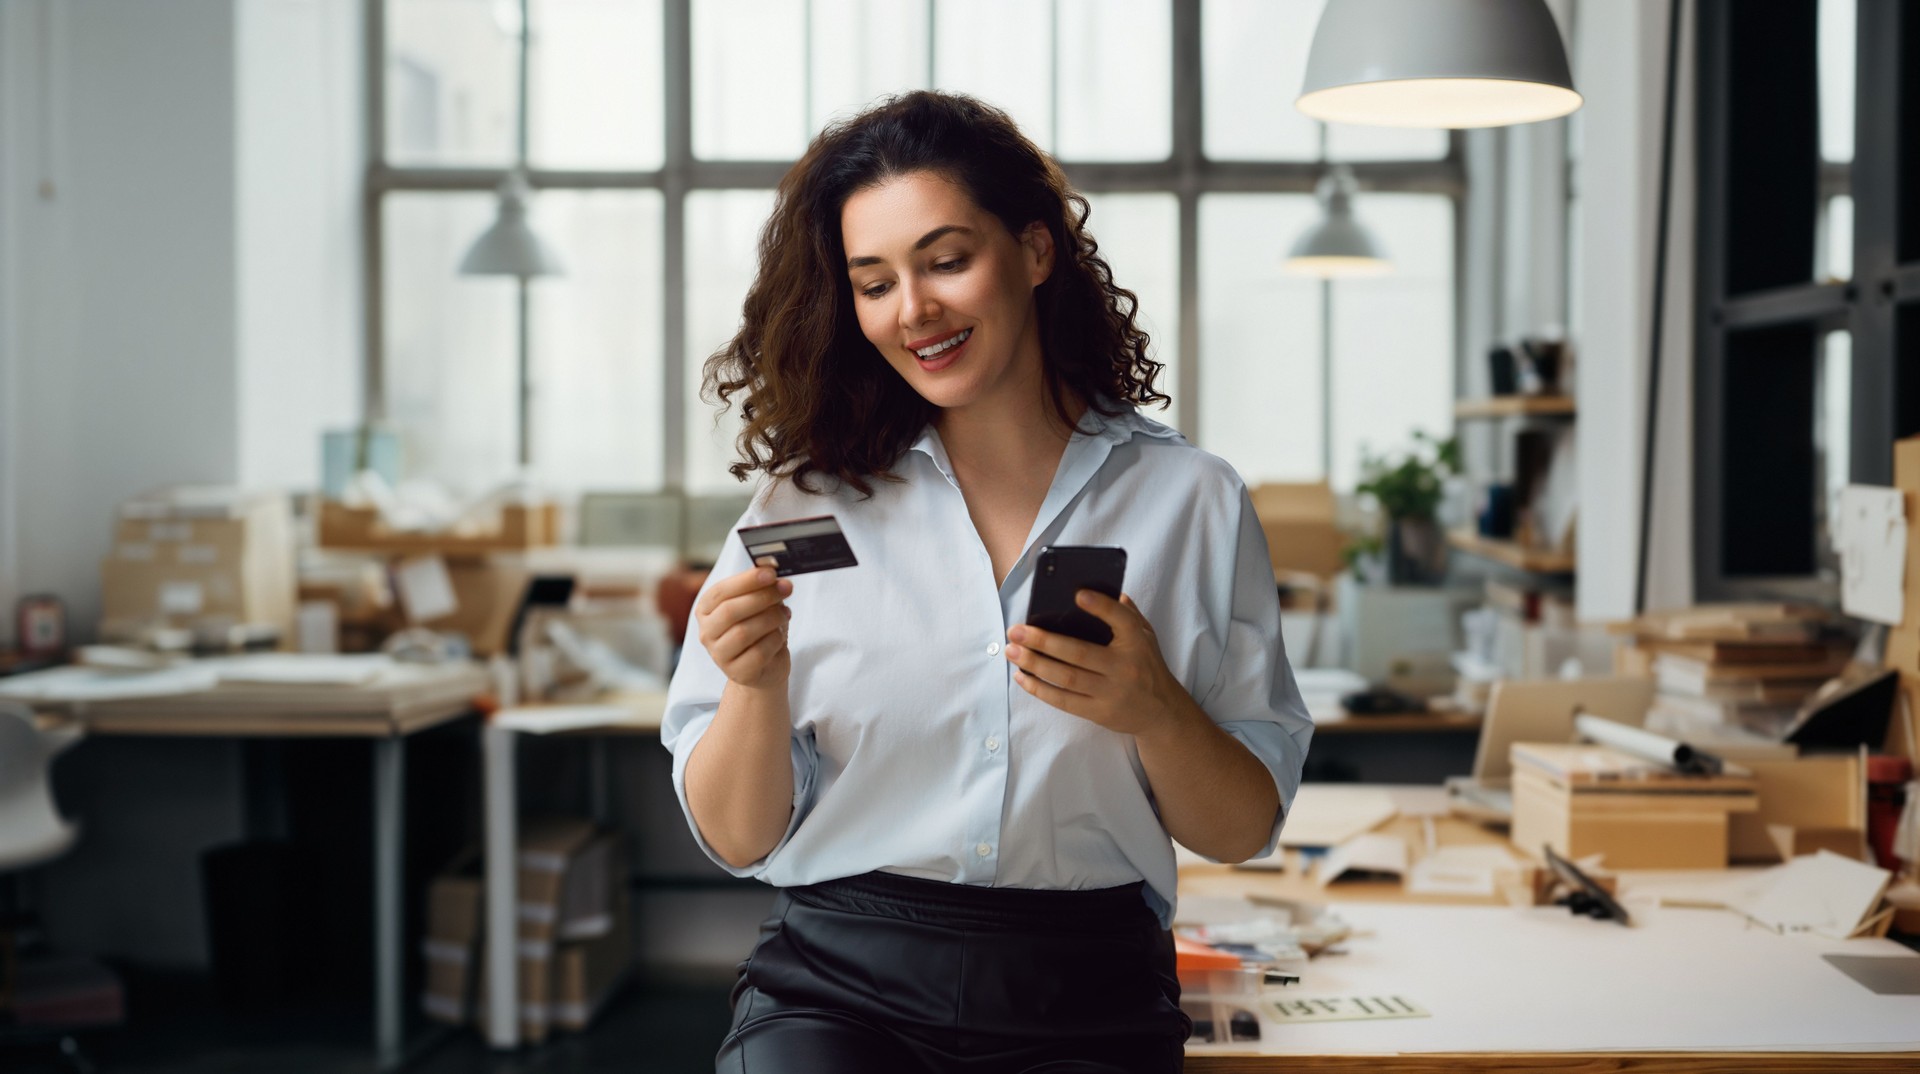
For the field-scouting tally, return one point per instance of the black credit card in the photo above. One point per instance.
(799, 546)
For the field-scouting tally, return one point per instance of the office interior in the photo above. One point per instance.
(258, 261)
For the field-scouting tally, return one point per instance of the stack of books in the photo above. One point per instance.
(1735, 665)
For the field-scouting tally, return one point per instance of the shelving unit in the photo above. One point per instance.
(1511, 554)
(1509, 406)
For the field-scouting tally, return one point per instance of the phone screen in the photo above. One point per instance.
(1060, 573)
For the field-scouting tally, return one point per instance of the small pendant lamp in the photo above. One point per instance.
(1337, 246)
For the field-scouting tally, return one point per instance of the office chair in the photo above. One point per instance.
(31, 832)
(31, 829)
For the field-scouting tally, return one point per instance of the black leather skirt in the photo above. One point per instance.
(893, 974)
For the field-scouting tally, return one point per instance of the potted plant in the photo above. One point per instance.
(1408, 489)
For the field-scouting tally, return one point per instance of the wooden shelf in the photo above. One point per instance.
(1511, 554)
(1507, 406)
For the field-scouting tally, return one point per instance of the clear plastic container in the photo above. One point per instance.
(1223, 1003)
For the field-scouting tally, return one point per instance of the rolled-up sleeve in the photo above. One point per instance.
(1254, 697)
(693, 699)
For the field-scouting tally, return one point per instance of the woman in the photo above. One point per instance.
(968, 817)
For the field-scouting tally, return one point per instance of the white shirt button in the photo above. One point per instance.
(983, 850)
(992, 744)
(993, 648)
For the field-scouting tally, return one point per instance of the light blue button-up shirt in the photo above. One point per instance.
(915, 752)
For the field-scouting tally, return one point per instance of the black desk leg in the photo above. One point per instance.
(389, 835)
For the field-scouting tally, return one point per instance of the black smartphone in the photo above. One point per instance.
(1061, 572)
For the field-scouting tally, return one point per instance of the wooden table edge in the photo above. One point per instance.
(215, 725)
(1623, 1062)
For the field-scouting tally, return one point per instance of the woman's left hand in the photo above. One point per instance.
(1123, 686)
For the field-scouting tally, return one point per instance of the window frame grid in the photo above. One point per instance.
(1187, 173)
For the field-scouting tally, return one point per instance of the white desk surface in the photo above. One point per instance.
(1529, 988)
(1499, 979)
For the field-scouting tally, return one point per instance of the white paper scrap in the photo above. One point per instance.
(1823, 893)
(1374, 852)
(1872, 536)
(1459, 870)
(548, 719)
(305, 669)
(426, 590)
(1323, 814)
(76, 683)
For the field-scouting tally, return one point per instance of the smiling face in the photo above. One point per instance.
(945, 292)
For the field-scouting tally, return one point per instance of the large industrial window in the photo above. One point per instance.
(657, 130)
(1809, 276)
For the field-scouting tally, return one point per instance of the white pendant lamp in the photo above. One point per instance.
(511, 247)
(1437, 63)
(1337, 246)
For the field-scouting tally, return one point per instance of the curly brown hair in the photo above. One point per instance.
(819, 398)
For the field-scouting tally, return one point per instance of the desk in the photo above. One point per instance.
(1686, 990)
(411, 698)
(621, 714)
(1400, 723)
(1413, 747)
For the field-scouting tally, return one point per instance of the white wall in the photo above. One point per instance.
(300, 160)
(178, 303)
(1620, 68)
(122, 343)
(182, 302)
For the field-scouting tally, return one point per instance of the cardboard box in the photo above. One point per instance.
(1583, 800)
(189, 555)
(488, 592)
(575, 939)
(455, 923)
(1806, 805)
(586, 973)
(1906, 478)
(521, 527)
(1299, 521)
(573, 934)
(1903, 641)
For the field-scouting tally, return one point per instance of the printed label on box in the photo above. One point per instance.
(199, 554)
(181, 598)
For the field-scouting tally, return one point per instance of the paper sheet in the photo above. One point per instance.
(1822, 893)
(93, 684)
(547, 719)
(1871, 529)
(1460, 870)
(1374, 852)
(1323, 814)
(426, 589)
(305, 669)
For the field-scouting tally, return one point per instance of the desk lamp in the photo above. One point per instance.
(1437, 63)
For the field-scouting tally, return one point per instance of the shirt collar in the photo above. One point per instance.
(1116, 430)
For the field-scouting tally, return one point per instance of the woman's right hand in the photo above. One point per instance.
(743, 624)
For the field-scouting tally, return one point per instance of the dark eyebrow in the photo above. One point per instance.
(926, 240)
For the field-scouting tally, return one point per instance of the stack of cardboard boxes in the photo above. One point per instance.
(204, 559)
(575, 937)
